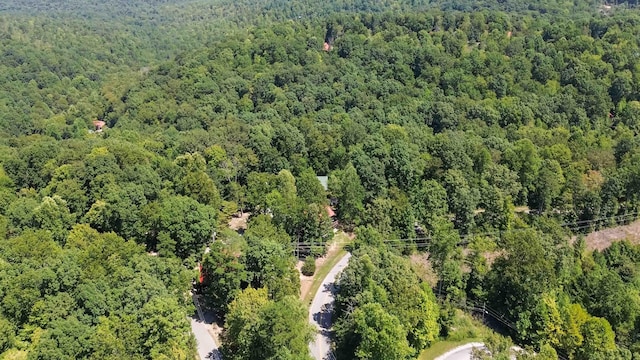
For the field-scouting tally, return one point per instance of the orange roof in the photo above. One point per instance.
(330, 211)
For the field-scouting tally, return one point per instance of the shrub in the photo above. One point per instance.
(309, 266)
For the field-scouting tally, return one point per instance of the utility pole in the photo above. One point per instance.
(483, 310)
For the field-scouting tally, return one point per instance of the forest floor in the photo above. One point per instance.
(309, 285)
(422, 266)
(602, 239)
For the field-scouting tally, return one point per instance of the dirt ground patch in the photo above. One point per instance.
(239, 222)
(307, 281)
(602, 239)
(491, 256)
(422, 266)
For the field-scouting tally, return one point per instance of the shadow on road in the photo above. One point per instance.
(214, 355)
(329, 287)
(197, 318)
(209, 316)
(323, 317)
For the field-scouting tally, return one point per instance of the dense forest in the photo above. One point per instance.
(489, 135)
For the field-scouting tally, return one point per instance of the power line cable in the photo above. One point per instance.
(583, 224)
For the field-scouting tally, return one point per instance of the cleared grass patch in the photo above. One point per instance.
(334, 255)
(465, 330)
(442, 347)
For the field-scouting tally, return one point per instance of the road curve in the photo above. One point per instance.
(321, 310)
(461, 352)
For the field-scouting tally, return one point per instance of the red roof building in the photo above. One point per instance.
(330, 211)
(98, 125)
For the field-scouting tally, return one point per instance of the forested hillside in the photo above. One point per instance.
(486, 139)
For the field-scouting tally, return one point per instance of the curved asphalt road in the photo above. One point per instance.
(321, 310)
(461, 352)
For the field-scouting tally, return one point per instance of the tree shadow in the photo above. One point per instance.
(214, 355)
(329, 288)
(323, 317)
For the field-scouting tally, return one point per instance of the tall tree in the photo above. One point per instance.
(223, 276)
(310, 189)
(180, 226)
(345, 185)
(518, 279)
(381, 334)
(461, 199)
(271, 265)
(259, 328)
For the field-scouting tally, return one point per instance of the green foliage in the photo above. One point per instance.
(271, 265)
(283, 331)
(7, 334)
(53, 215)
(518, 280)
(182, 226)
(497, 347)
(309, 188)
(381, 335)
(346, 187)
(307, 224)
(309, 266)
(67, 338)
(223, 276)
(242, 319)
(194, 181)
(462, 202)
(98, 296)
(382, 308)
(430, 124)
(430, 202)
(259, 328)
(265, 261)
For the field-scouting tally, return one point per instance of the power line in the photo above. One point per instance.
(502, 319)
(422, 241)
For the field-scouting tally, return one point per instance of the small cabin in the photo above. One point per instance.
(98, 125)
(324, 181)
(333, 216)
(330, 212)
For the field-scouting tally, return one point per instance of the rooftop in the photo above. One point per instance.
(324, 180)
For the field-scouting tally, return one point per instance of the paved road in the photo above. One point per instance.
(321, 309)
(200, 326)
(460, 353)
